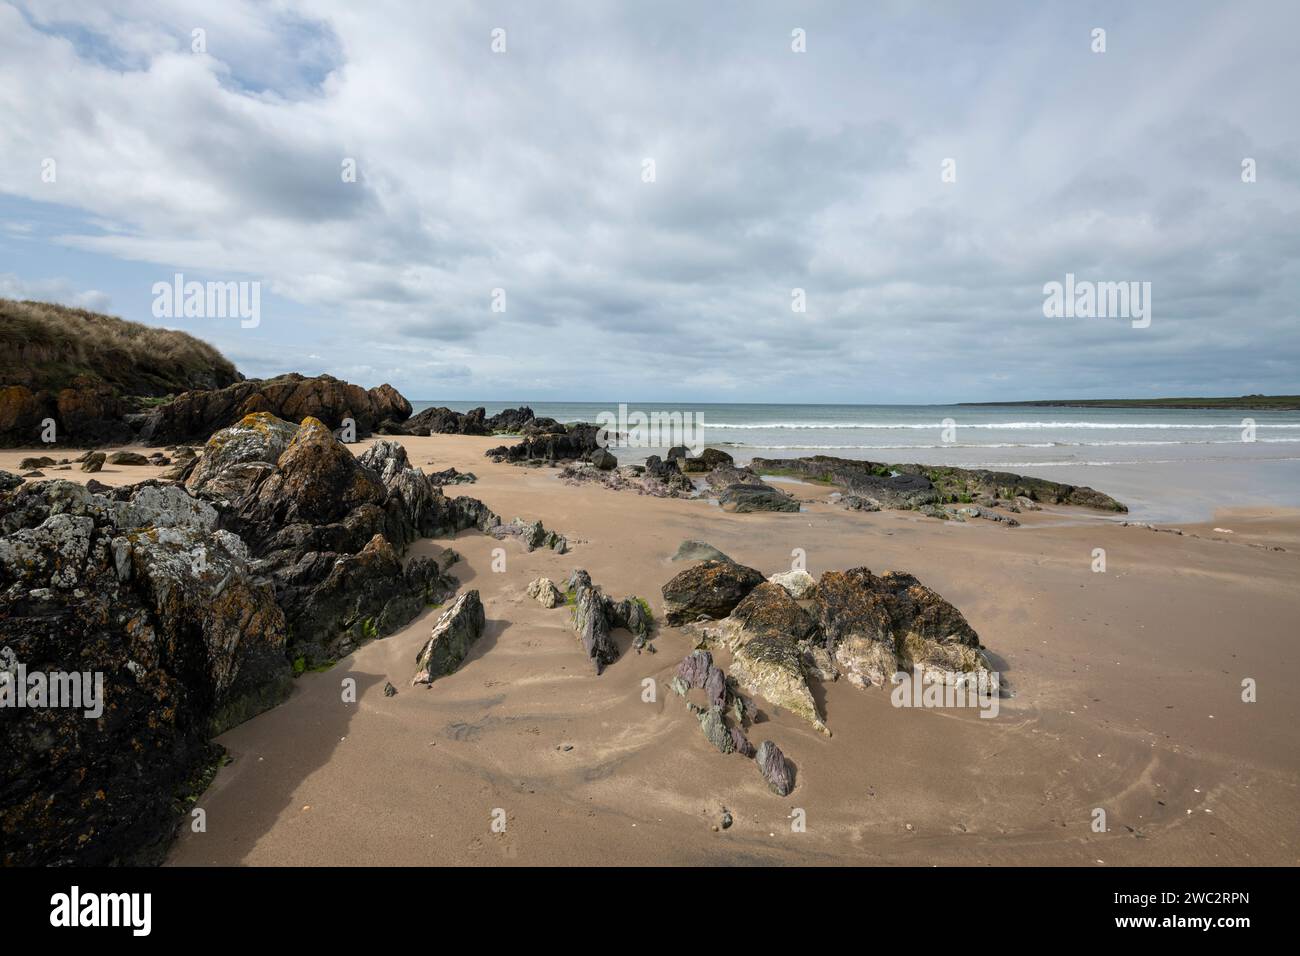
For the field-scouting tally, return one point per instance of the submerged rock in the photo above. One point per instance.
(692, 550)
(456, 630)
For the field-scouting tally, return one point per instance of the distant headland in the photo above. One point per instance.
(1277, 403)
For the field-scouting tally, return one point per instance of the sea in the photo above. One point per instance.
(1165, 464)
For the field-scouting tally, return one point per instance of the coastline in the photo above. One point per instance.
(1126, 697)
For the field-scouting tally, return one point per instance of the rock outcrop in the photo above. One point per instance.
(595, 616)
(661, 483)
(875, 485)
(91, 375)
(572, 442)
(724, 715)
(445, 421)
(747, 498)
(454, 633)
(710, 590)
(854, 624)
(195, 415)
(776, 770)
(874, 627)
(235, 458)
(142, 590)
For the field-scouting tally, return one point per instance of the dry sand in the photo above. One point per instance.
(1127, 687)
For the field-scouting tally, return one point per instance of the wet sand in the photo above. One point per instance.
(1127, 688)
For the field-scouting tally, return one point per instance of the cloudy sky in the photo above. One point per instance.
(774, 170)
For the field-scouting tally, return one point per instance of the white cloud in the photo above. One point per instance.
(775, 170)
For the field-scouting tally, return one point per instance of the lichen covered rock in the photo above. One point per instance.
(710, 590)
(235, 457)
(771, 666)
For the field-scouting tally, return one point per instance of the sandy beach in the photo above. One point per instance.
(1127, 697)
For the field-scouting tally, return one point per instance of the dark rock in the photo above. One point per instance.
(722, 477)
(335, 602)
(532, 534)
(94, 462)
(126, 458)
(28, 464)
(875, 626)
(450, 476)
(740, 743)
(455, 632)
(571, 442)
(603, 459)
(590, 621)
(445, 421)
(141, 588)
(389, 689)
(33, 474)
(713, 457)
(694, 668)
(743, 499)
(711, 589)
(633, 615)
(194, 415)
(678, 451)
(776, 770)
(769, 609)
(715, 687)
(909, 486)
